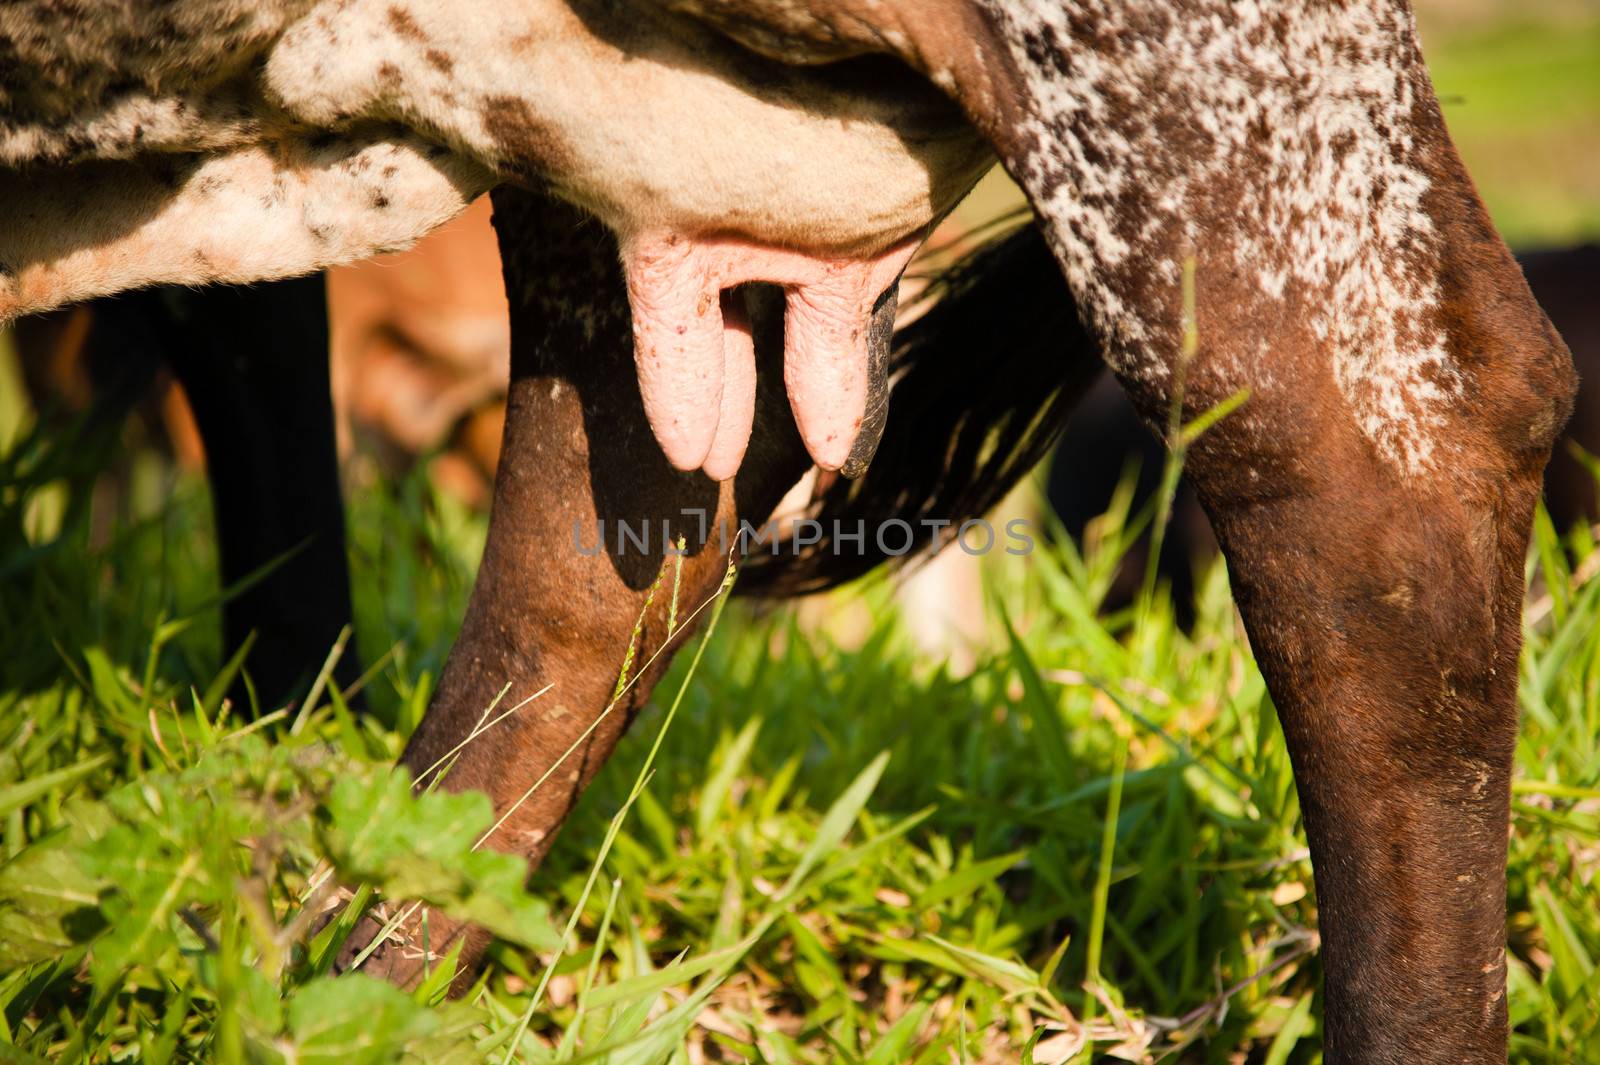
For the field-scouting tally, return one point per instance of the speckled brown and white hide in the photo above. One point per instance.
(1373, 495)
(649, 121)
(248, 214)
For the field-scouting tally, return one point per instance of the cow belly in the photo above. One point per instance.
(246, 215)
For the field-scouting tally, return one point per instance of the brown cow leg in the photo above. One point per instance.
(1385, 619)
(1384, 609)
(577, 452)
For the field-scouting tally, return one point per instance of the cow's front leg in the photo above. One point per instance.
(564, 582)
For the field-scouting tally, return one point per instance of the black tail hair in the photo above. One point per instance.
(981, 386)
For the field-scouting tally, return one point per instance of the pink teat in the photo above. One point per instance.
(696, 359)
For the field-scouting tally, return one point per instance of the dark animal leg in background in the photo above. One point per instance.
(548, 608)
(254, 364)
(68, 368)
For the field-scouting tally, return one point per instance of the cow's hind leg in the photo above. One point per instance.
(555, 607)
(1383, 604)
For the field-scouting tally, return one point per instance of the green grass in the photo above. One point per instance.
(1523, 105)
(841, 852)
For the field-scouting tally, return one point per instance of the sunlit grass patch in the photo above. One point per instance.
(843, 851)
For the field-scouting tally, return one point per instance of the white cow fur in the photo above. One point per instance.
(270, 139)
(243, 215)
